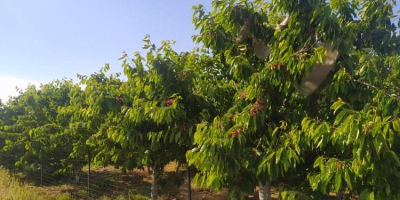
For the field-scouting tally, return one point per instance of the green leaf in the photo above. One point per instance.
(210, 180)
(387, 189)
(364, 195)
(337, 105)
(396, 158)
(376, 128)
(372, 195)
(146, 38)
(385, 130)
(348, 179)
(278, 155)
(338, 181)
(396, 125)
(124, 55)
(318, 162)
(339, 117)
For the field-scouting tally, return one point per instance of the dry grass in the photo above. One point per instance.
(13, 189)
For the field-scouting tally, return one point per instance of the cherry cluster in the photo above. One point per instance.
(183, 126)
(235, 133)
(279, 65)
(258, 106)
(181, 75)
(230, 116)
(310, 31)
(339, 165)
(242, 95)
(119, 99)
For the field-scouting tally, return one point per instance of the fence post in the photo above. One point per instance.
(189, 184)
(13, 163)
(41, 171)
(88, 187)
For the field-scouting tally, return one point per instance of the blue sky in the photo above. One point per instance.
(42, 40)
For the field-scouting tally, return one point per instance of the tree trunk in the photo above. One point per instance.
(189, 184)
(77, 176)
(339, 195)
(154, 184)
(264, 191)
(35, 166)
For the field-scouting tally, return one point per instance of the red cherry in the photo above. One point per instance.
(260, 101)
(339, 165)
(169, 102)
(253, 111)
(237, 132)
(277, 65)
(119, 99)
(242, 95)
(238, 178)
(230, 116)
(260, 107)
(184, 73)
(183, 127)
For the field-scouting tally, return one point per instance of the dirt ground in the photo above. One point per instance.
(109, 183)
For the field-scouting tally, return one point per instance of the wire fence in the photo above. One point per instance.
(81, 184)
(86, 183)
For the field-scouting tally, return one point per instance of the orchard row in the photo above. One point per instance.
(299, 95)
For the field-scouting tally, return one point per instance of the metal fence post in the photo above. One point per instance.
(189, 184)
(89, 158)
(13, 163)
(41, 171)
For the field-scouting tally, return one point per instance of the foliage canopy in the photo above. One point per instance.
(303, 95)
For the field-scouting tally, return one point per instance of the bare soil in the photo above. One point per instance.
(110, 183)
